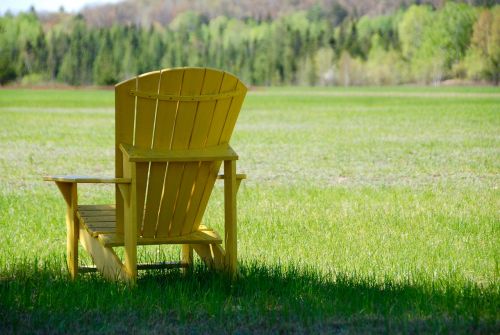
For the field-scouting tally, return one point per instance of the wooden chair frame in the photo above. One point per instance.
(173, 124)
(105, 258)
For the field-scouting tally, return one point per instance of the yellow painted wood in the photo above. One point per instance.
(173, 129)
(222, 113)
(207, 170)
(70, 194)
(216, 153)
(124, 133)
(96, 227)
(239, 176)
(141, 184)
(96, 207)
(186, 113)
(170, 83)
(130, 225)
(187, 256)
(145, 111)
(211, 254)
(86, 179)
(232, 116)
(126, 196)
(172, 196)
(100, 213)
(105, 259)
(100, 224)
(194, 82)
(124, 190)
(108, 237)
(89, 219)
(195, 238)
(174, 97)
(230, 227)
(205, 254)
(189, 185)
(96, 231)
(144, 128)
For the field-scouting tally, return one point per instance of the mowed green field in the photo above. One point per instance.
(365, 210)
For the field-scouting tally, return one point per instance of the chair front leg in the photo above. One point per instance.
(70, 194)
(230, 226)
(129, 194)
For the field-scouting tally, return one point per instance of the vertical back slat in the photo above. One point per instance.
(170, 83)
(144, 125)
(232, 115)
(189, 185)
(186, 112)
(124, 132)
(221, 115)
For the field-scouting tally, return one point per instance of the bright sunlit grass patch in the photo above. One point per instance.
(361, 213)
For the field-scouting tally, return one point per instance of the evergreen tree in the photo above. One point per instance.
(105, 67)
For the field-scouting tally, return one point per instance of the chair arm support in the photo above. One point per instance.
(86, 179)
(239, 176)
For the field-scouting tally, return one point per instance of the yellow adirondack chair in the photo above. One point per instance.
(172, 132)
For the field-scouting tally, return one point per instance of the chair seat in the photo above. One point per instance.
(100, 222)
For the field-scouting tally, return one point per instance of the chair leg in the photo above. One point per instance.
(187, 256)
(219, 255)
(211, 254)
(70, 194)
(230, 226)
(72, 243)
(130, 229)
(131, 262)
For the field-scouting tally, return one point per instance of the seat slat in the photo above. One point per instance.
(198, 237)
(96, 207)
(104, 228)
(98, 213)
(100, 224)
(107, 218)
(95, 232)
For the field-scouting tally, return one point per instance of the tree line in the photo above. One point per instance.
(419, 44)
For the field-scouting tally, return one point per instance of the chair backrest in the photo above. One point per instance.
(179, 108)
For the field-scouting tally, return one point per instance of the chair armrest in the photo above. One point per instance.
(87, 179)
(218, 153)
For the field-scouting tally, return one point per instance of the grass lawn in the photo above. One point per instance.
(366, 210)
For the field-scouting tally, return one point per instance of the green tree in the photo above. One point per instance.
(105, 67)
(31, 46)
(483, 57)
(411, 29)
(9, 51)
(76, 66)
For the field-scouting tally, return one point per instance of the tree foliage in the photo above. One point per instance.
(323, 45)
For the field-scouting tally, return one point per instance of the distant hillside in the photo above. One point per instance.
(148, 12)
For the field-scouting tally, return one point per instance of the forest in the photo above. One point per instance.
(316, 45)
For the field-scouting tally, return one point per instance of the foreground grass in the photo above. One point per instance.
(265, 299)
(366, 210)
